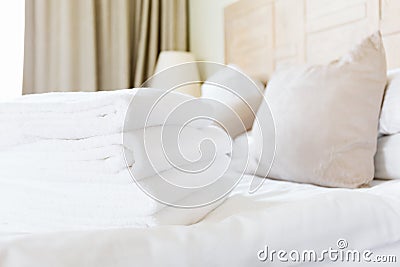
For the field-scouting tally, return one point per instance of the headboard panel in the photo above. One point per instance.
(262, 34)
(334, 27)
(250, 47)
(390, 27)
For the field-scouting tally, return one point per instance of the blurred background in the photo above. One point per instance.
(92, 45)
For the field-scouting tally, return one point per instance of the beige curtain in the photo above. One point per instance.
(91, 45)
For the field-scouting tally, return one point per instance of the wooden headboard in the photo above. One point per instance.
(262, 34)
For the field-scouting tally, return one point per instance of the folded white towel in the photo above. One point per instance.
(69, 158)
(146, 151)
(82, 115)
(104, 154)
(63, 115)
(112, 203)
(41, 210)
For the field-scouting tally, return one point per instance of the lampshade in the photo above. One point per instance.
(167, 78)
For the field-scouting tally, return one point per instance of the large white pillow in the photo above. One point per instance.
(326, 118)
(387, 158)
(389, 122)
(236, 98)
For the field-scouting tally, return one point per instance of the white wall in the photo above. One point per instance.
(207, 29)
(12, 25)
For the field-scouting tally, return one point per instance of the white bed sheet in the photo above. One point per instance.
(281, 215)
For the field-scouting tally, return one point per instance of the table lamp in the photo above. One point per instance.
(171, 71)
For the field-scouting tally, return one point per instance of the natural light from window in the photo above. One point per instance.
(12, 25)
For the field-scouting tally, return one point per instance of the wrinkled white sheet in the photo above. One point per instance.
(282, 215)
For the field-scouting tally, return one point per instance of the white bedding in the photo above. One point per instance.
(282, 215)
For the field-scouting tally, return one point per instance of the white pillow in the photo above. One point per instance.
(389, 122)
(326, 118)
(387, 158)
(236, 106)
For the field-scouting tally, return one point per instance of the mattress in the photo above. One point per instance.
(279, 216)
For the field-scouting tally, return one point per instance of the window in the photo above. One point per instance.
(12, 25)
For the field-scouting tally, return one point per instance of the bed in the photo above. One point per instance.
(281, 215)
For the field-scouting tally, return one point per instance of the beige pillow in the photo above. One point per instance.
(326, 118)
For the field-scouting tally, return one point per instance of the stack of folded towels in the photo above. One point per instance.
(387, 159)
(95, 160)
